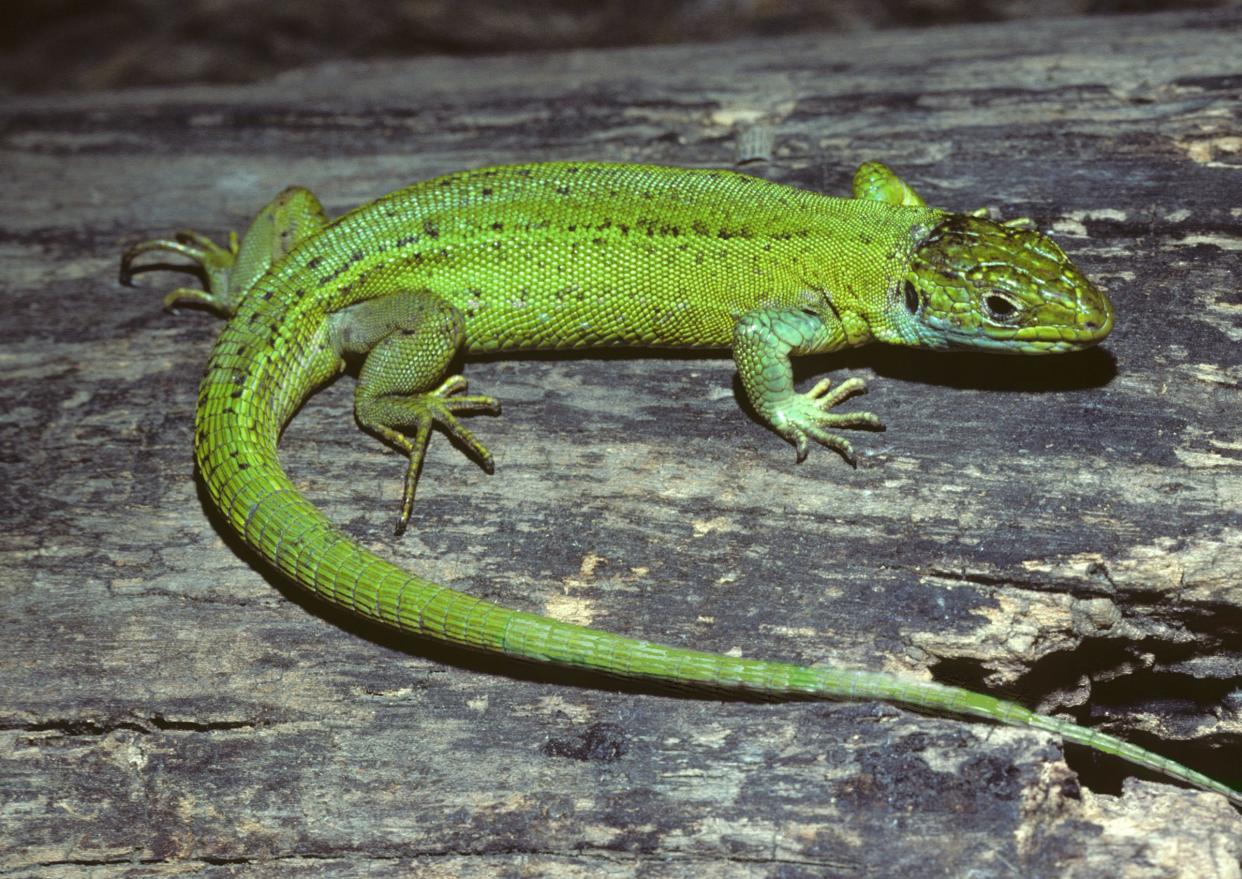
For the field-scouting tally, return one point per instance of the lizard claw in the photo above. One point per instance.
(805, 417)
(406, 422)
(209, 260)
(1015, 223)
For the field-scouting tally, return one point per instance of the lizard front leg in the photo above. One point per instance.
(763, 342)
(409, 339)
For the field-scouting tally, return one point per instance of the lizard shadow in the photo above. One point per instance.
(974, 370)
(959, 370)
(1078, 370)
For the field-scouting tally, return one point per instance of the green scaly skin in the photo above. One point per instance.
(577, 256)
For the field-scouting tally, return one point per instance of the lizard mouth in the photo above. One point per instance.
(1094, 323)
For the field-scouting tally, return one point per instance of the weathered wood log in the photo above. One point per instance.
(1065, 529)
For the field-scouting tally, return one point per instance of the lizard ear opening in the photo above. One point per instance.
(912, 298)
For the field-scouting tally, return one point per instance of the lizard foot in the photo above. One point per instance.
(805, 417)
(209, 259)
(1015, 223)
(406, 422)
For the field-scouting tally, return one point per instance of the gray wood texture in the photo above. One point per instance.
(1064, 530)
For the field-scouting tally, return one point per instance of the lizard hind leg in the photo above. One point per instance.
(875, 181)
(229, 272)
(409, 339)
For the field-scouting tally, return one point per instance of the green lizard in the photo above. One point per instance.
(584, 255)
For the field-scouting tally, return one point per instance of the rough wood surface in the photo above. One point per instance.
(1067, 530)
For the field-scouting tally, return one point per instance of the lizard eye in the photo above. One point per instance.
(1001, 309)
(912, 299)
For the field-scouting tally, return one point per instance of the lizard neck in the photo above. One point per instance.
(863, 251)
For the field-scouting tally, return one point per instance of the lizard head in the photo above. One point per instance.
(977, 284)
